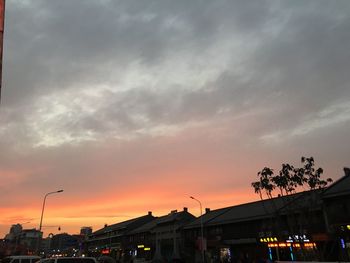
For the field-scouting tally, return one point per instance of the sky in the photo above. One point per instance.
(133, 106)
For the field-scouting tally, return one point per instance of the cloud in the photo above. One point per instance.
(112, 98)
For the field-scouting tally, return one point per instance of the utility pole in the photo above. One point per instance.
(201, 222)
(2, 26)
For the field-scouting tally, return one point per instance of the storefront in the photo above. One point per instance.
(292, 248)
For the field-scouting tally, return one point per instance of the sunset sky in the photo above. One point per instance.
(132, 106)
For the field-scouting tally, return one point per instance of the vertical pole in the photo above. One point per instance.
(38, 244)
(2, 26)
(278, 254)
(175, 245)
(42, 213)
(41, 220)
(202, 234)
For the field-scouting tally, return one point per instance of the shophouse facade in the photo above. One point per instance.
(112, 240)
(308, 226)
(162, 238)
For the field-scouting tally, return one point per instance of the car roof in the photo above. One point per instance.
(24, 256)
(69, 258)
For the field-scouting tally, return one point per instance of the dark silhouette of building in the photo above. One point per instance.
(86, 230)
(306, 226)
(162, 238)
(311, 225)
(112, 239)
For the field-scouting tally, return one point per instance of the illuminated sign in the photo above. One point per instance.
(147, 248)
(342, 243)
(140, 246)
(298, 238)
(268, 239)
(105, 251)
(295, 245)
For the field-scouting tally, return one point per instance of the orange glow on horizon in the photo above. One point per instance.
(113, 208)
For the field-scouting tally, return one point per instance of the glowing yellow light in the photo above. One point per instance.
(140, 246)
(309, 244)
(348, 227)
(272, 245)
(282, 245)
(275, 239)
(147, 248)
(261, 240)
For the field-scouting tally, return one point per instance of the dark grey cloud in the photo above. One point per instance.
(295, 59)
(111, 89)
(56, 44)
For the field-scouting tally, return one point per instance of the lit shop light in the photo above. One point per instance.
(298, 238)
(268, 239)
(295, 245)
(342, 243)
(105, 251)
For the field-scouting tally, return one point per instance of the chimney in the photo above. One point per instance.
(173, 211)
(207, 210)
(106, 225)
(185, 209)
(347, 171)
(149, 213)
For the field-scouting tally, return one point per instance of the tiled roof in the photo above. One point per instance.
(118, 226)
(163, 221)
(146, 227)
(248, 211)
(265, 208)
(207, 217)
(340, 187)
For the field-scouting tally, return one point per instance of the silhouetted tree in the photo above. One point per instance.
(257, 188)
(289, 178)
(284, 180)
(265, 182)
(311, 175)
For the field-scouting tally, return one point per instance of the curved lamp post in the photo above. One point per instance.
(42, 213)
(202, 236)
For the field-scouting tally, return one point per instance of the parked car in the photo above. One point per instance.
(69, 260)
(20, 259)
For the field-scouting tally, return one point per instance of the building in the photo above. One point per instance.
(64, 244)
(86, 230)
(307, 226)
(21, 241)
(111, 239)
(29, 239)
(161, 238)
(336, 206)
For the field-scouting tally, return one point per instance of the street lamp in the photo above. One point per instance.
(201, 220)
(42, 210)
(42, 213)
